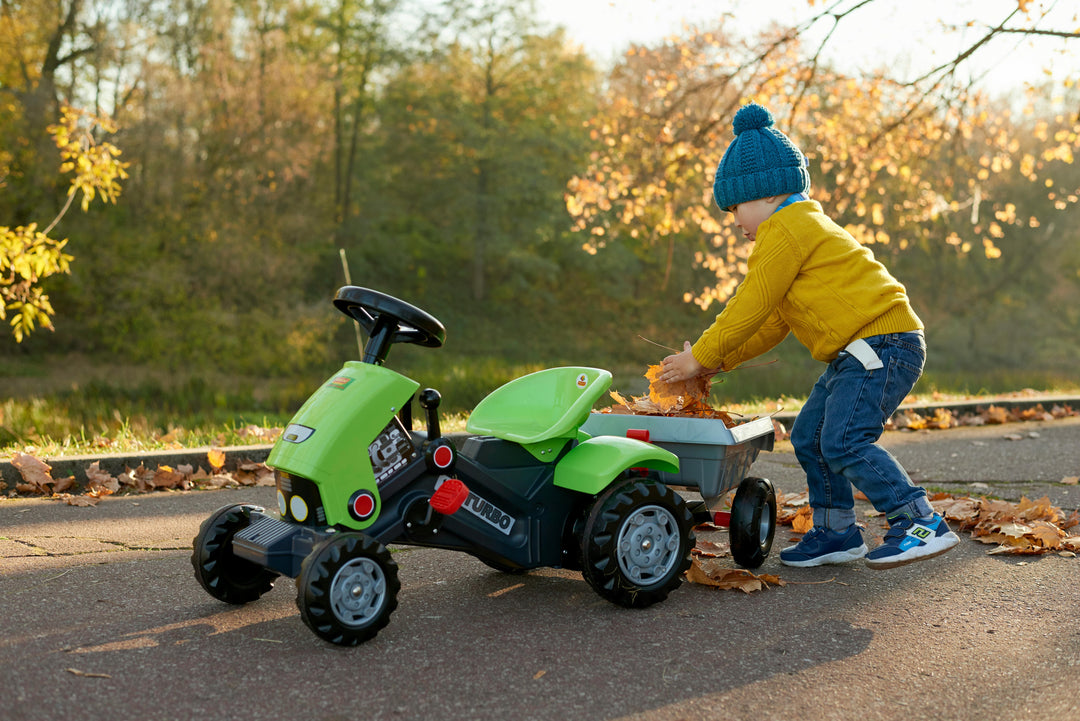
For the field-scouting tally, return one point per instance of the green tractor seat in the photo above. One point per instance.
(540, 406)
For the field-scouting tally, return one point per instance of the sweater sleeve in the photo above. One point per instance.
(772, 331)
(750, 324)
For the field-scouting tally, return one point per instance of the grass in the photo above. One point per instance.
(77, 409)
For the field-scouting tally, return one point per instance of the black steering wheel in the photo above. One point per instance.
(388, 320)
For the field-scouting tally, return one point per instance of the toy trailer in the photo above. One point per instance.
(713, 459)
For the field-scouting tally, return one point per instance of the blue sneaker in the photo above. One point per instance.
(821, 546)
(910, 540)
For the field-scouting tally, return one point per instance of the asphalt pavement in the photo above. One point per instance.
(102, 619)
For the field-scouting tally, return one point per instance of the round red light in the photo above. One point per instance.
(443, 456)
(363, 505)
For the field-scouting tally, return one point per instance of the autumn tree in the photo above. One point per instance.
(40, 40)
(482, 133)
(875, 144)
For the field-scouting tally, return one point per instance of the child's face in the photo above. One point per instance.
(751, 214)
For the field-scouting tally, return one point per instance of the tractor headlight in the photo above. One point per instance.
(299, 500)
(298, 508)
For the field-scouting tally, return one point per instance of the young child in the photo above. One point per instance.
(808, 276)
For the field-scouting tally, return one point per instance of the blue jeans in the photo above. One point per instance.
(835, 434)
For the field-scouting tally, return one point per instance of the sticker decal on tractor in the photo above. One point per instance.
(480, 508)
(391, 451)
(341, 382)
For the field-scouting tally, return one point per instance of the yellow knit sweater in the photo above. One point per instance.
(808, 276)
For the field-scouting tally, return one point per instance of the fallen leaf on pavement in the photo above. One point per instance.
(711, 549)
(733, 578)
(1028, 527)
(80, 501)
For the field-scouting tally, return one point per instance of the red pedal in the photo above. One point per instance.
(449, 496)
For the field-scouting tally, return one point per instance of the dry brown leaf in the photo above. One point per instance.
(712, 549)
(1062, 411)
(1040, 510)
(803, 520)
(793, 499)
(36, 474)
(250, 473)
(141, 479)
(217, 481)
(730, 578)
(167, 477)
(81, 501)
(1026, 527)
(100, 483)
(963, 510)
(1046, 534)
(1072, 521)
(64, 484)
(908, 419)
(687, 398)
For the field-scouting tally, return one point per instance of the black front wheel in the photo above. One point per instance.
(636, 543)
(753, 522)
(347, 589)
(225, 576)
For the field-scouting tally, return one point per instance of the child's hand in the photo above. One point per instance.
(683, 366)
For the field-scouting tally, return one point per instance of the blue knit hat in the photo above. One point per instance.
(760, 162)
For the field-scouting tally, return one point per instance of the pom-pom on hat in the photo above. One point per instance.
(761, 162)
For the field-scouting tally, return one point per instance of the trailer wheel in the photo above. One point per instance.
(347, 589)
(636, 543)
(753, 522)
(225, 576)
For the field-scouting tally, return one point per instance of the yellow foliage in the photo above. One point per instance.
(27, 255)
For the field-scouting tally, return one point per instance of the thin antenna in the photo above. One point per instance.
(348, 281)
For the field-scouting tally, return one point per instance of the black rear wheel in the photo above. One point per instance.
(225, 576)
(636, 543)
(753, 522)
